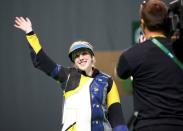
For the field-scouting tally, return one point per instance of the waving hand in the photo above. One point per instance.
(24, 24)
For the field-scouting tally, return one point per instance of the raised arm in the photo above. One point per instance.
(25, 25)
(39, 57)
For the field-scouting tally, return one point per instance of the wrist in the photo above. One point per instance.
(30, 33)
(28, 30)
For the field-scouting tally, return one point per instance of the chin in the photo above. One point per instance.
(83, 69)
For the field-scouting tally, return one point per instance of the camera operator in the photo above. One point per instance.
(157, 76)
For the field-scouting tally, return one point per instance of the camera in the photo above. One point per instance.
(175, 13)
(176, 27)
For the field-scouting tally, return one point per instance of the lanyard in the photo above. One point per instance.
(167, 52)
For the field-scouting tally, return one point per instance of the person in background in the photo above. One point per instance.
(157, 77)
(92, 101)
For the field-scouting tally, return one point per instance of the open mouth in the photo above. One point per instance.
(82, 63)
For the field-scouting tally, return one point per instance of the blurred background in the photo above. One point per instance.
(30, 100)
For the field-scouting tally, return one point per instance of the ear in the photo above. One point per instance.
(93, 60)
(142, 24)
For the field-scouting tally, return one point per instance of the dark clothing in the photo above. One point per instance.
(157, 83)
(161, 128)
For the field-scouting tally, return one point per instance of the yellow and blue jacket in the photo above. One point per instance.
(91, 103)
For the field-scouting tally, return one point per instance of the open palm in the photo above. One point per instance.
(23, 24)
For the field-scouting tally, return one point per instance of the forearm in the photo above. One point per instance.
(33, 42)
(39, 58)
(115, 114)
(116, 118)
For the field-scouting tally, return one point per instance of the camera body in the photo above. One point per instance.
(176, 18)
(176, 27)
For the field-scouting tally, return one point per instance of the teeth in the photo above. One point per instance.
(82, 62)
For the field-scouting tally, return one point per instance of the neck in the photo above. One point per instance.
(150, 34)
(89, 72)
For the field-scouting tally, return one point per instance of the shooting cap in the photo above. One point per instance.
(78, 45)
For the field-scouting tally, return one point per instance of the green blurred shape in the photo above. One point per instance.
(127, 85)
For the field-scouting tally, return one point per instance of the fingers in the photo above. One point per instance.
(28, 20)
(17, 21)
(20, 20)
(17, 26)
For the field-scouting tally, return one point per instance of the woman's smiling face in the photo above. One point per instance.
(83, 60)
